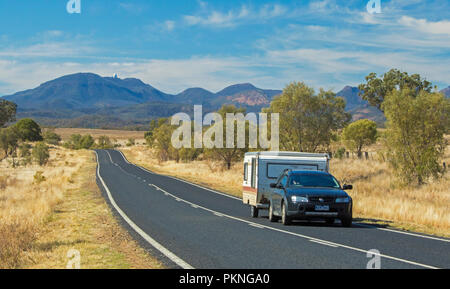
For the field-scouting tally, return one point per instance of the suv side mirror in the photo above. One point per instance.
(347, 187)
(273, 186)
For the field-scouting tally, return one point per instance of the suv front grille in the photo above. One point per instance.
(318, 199)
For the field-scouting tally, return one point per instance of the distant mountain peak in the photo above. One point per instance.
(446, 91)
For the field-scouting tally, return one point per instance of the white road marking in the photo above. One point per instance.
(282, 231)
(218, 214)
(324, 243)
(257, 226)
(301, 235)
(174, 258)
(404, 233)
(181, 180)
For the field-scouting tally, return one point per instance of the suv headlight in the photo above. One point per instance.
(297, 199)
(343, 200)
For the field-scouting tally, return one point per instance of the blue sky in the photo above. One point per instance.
(177, 44)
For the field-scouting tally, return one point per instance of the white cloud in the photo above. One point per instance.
(423, 25)
(235, 17)
(169, 25)
(50, 49)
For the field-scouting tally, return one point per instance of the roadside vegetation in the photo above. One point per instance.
(50, 203)
(399, 173)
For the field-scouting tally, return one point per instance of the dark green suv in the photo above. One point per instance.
(310, 195)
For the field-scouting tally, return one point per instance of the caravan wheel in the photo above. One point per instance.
(254, 211)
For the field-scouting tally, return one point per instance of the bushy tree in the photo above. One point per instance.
(78, 142)
(104, 142)
(41, 153)
(162, 141)
(359, 134)
(416, 125)
(377, 88)
(228, 155)
(29, 130)
(25, 150)
(308, 120)
(7, 112)
(9, 140)
(86, 142)
(51, 137)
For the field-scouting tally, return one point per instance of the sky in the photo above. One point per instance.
(177, 44)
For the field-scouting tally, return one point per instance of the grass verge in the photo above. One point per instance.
(41, 222)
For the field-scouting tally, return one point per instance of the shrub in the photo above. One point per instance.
(104, 143)
(52, 138)
(131, 142)
(41, 153)
(340, 153)
(39, 177)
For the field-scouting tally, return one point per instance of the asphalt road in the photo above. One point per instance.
(189, 226)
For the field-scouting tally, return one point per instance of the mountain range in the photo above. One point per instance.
(89, 100)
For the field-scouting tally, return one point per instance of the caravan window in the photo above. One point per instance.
(253, 173)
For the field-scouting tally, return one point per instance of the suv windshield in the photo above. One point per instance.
(313, 180)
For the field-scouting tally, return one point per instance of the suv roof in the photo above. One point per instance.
(291, 172)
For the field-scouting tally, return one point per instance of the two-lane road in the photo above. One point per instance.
(194, 227)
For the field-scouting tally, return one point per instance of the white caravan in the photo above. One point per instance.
(263, 168)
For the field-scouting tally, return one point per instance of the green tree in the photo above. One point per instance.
(359, 134)
(308, 120)
(25, 153)
(225, 154)
(29, 130)
(375, 89)
(162, 141)
(86, 142)
(51, 137)
(41, 153)
(416, 125)
(25, 150)
(149, 134)
(9, 140)
(104, 143)
(7, 112)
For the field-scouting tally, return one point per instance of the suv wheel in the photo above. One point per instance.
(347, 221)
(284, 217)
(272, 217)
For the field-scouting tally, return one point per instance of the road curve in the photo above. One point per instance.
(189, 226)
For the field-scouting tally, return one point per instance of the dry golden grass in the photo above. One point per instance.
(39, 223)
(376, 197)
